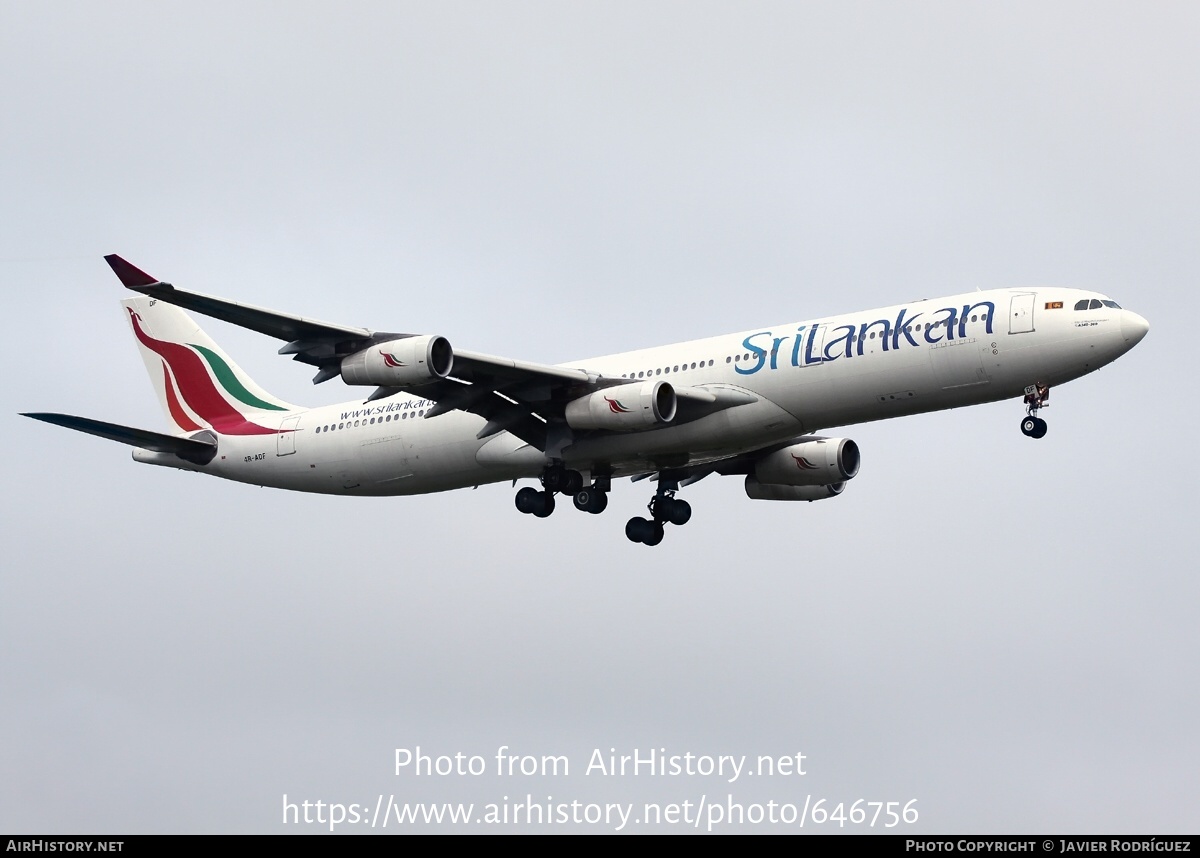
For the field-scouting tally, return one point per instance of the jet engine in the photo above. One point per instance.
(630, 406)
(812, 462)
(775, 492)
(405, 362)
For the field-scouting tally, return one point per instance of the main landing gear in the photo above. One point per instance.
(1037, 396)
(664, 508)
(557, 479)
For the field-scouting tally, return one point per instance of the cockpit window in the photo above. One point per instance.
(1081, 305)
(1112, 304)
(1095, 304)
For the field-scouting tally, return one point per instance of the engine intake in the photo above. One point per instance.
(628, 407)
(406, 362)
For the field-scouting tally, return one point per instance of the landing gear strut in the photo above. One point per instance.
(665, 508)
(1037, 396)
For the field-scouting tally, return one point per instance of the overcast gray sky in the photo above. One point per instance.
(1001, 629)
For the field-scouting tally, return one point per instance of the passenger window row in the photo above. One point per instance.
(666, 370)
(388, 418)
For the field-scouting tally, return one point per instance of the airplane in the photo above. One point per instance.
(746, 404)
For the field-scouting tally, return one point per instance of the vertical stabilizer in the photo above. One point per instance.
(197, 384)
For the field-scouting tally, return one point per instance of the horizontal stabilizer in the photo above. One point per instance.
(190, 450)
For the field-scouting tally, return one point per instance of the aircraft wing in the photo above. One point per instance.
(273, 324)
(518, 396)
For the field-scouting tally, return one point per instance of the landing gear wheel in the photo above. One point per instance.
(1039, 431)
(644, 531)
(559, 479)
(572, 483)
(591, 500)
(674, 510)
(1029, 425)
(637, 529)
(529, 500)
(547, 504)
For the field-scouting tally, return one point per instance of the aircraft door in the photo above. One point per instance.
(1020, 313)
(287, 436)
(812, 352)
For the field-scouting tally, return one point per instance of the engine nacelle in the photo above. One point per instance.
(772, 491)
(815, 462)
(406, 362)
(628, 407)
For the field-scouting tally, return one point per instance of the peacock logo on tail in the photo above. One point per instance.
(189, 372)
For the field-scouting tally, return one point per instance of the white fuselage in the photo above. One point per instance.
(806, 376)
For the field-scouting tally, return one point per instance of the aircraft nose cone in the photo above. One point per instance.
(1133, 328)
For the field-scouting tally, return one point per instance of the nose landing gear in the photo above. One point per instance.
(1034, 427)
(1037, 396)
(665, 508)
